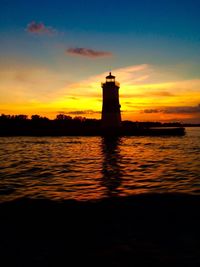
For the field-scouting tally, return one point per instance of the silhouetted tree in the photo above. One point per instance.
(20, 117)
(63, 117)
(38, 118)
(79, 118)
(35, 117)
(4, 117)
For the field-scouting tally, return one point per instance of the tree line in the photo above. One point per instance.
(22, 117)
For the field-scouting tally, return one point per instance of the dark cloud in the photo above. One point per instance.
(85, 52)
(175, 110)
(39, 28)
(182, 110)
(151, 111)
(80, 112)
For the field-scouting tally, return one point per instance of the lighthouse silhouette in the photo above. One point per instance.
(111, 116)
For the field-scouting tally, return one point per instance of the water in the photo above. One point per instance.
(86, 168)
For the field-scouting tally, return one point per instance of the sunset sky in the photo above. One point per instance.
(55, 54)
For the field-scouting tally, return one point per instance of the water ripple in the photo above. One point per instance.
(95, 167)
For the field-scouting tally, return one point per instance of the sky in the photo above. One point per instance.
(55, 54)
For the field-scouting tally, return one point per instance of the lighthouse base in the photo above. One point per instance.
(111, 120)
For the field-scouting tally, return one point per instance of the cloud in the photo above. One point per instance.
(161, 93)
(27, 83)
(151, 111)
(175, 110)
(133, 74)
(80, 112)
(91, 87)
(141, 97)
(148, 94)
(182, 110)
(85, 52)
(72, 97)
(33, 88)
(83, 112)
(39, 28)
(128, 103)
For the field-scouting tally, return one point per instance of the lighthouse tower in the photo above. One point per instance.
(111, 116)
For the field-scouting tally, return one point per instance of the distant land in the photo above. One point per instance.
(21, 125)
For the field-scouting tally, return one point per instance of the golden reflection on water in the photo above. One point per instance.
(94, 167)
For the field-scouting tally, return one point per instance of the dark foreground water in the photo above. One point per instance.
(94, 167)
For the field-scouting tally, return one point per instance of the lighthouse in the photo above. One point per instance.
(111, 116)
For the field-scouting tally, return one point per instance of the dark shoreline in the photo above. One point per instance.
(20, 125)
(141, 230)
(162, 131)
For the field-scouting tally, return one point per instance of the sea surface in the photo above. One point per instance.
(85, 168)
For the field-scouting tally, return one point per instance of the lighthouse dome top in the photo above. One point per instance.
(110, 78)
